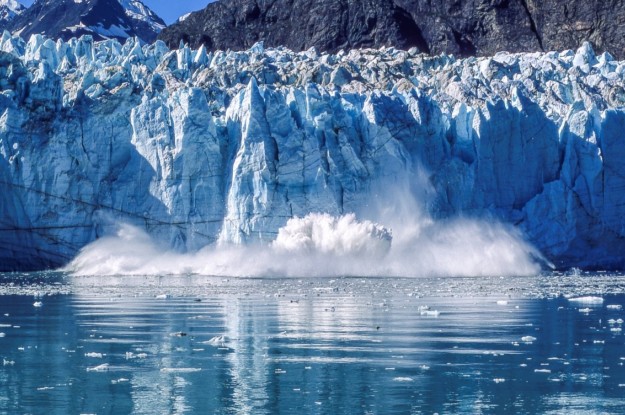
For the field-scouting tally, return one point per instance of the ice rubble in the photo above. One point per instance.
(198, 147)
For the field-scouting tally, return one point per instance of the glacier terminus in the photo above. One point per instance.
(200, 148)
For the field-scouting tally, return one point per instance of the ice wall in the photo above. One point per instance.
(200, 148)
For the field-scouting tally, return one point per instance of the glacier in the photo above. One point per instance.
(200, 148)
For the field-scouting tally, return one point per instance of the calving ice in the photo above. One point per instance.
(204, 152)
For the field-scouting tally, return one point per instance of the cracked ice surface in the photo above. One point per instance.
(198, 147)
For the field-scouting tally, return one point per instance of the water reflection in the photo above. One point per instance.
(311, 349)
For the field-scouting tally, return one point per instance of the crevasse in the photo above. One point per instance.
(200, 148)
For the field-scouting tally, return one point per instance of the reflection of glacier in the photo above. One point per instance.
(348, 346)
(197, 147)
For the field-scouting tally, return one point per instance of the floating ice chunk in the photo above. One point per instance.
(120, 380)
(502, 302)
(542, 370)
(616, 307)
(94, 355)
(163, 296)
(499, 380)
(5, 325)
(425, 310)
(180, 370)
(528, 339)
(37, 304)
(216, 341)
(130, 355)
(100, 368)
(585, 310)
(6, 362)
(403, 379)
(587, 300)
(2, 334)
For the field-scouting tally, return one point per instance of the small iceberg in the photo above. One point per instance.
(216, 341)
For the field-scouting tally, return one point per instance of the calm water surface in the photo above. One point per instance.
(202, 345)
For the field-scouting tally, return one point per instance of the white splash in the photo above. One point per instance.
(320, 245)
(335, 236)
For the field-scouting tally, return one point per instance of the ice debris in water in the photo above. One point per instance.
(37, 304)
(403, 379)
(615, 307)
(94, 355)
(587, 300)
(180, 370)
(131, 355)
(427, 311)
(528, 339)
(100, 368)
(216, 341)
(120, 380)
(542, 370)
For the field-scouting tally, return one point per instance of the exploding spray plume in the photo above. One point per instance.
(401, 241)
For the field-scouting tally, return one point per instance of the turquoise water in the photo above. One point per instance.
(202, 345)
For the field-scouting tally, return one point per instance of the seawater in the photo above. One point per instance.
(206, 345)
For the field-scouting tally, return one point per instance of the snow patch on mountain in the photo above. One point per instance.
(200, 148)
(9, 9)
(138, 11)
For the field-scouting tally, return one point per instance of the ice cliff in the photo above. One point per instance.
(199, 148)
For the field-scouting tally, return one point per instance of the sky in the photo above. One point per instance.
(169, 10)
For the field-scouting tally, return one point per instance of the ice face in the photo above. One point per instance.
(200, 148)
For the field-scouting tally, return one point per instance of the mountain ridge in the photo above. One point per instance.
(459, 27)
(102, 19)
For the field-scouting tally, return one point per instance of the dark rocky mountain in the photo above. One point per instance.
(461, 27)
(103, 19)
